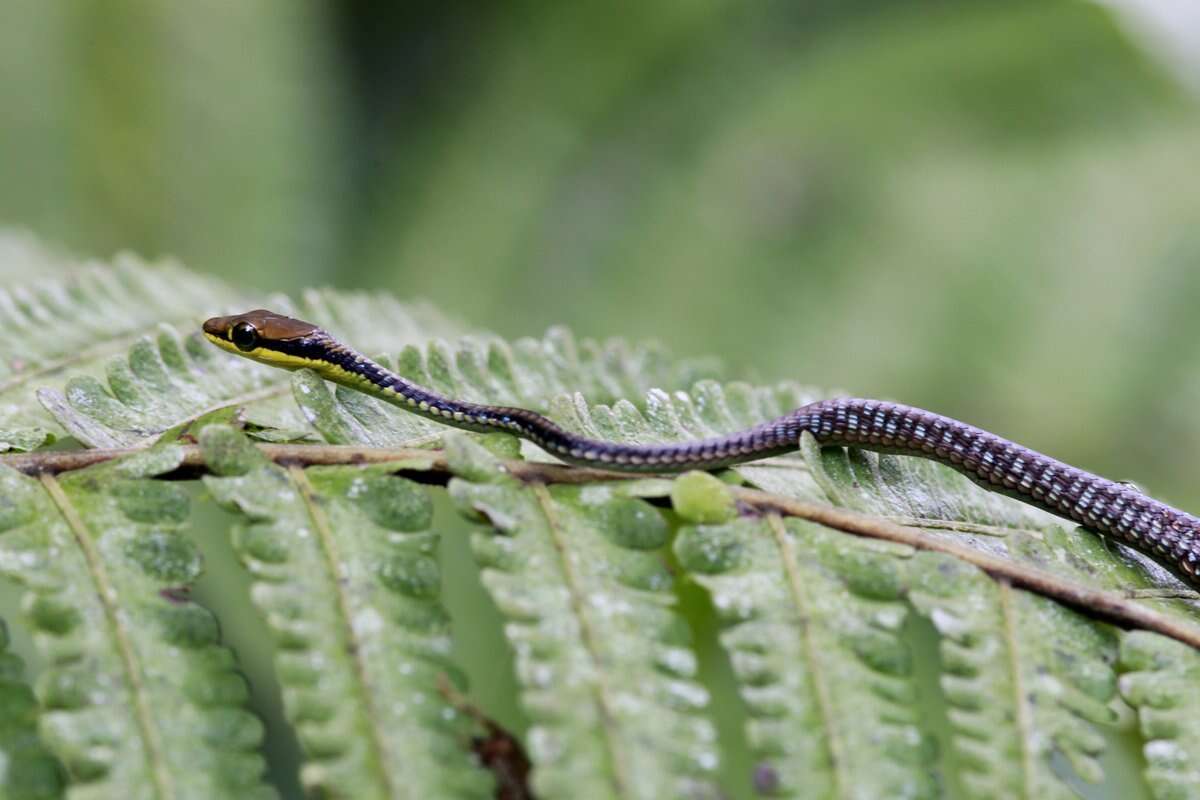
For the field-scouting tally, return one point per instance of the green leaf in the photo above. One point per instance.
(1025, 680)
(139, 694)
(925, 494)
(345, 572)
(1053, 667)
(27, 769)
(60, 328)
(1159, 679)
(813, 626)
(604, 659)
(162, 384)
(911, 489)
(374, 321)
(1041, 636)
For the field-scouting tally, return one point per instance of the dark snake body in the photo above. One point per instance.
(1115, 509)
(1120, 511)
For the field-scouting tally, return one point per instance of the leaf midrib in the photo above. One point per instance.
(829, 720)
(588, 635)
(1024, 723)
(163, 784)
(354, 648)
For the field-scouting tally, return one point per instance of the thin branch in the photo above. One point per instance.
(431, 466)
(1111, 606)
(53, 462)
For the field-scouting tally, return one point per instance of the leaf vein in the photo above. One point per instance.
(340, 581)
(588, 635)
(163, 784)
(829, 720)
(1025, 726)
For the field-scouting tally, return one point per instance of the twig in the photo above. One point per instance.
(1113, 606)
(53, 462)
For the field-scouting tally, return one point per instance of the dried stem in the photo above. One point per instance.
(1115, 607)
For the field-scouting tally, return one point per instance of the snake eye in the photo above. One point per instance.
(244, 336)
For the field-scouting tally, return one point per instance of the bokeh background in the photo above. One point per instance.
(989, 209)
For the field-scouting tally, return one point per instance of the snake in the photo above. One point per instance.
(1115, 509)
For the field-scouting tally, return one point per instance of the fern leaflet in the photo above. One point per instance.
(140, 699)
(344, 570)
(602, 655)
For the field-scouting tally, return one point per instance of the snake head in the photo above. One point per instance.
(251, 333)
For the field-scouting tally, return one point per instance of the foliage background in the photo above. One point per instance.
(987, 209)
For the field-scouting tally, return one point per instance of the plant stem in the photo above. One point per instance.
(431, 467)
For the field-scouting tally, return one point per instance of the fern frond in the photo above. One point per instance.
(139, 696)
(914, 490)
(160, 384)
(166, 382)
(931, 496)
(27, 769)
(1159, 679)
(530, 373)
(1044, 639)
(1053, 666)
(374, 322)
(61, 326)
(813, 626)
(1041, 637)
(1025, 680)
(602, 655)
(345, 571)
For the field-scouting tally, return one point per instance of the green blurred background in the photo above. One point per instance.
(989, 209)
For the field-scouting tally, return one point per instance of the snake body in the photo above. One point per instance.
(1170, 536)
